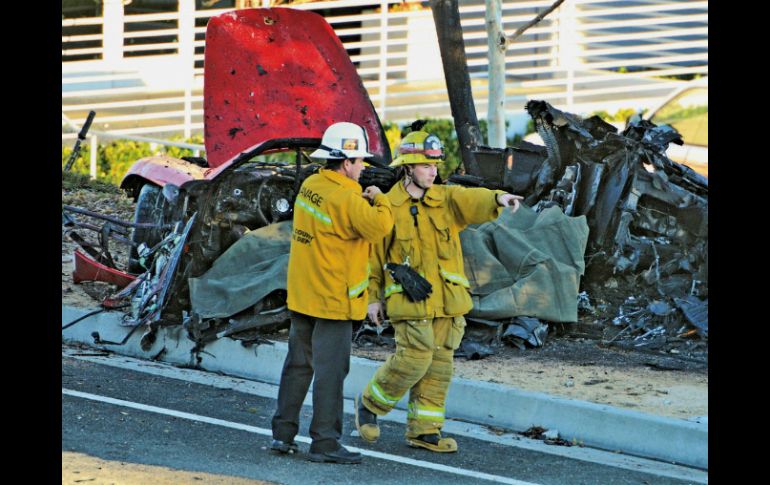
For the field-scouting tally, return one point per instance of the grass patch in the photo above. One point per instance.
(79, 181)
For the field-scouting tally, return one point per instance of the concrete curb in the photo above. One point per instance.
(595, 425)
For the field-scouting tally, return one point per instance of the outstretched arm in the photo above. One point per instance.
(509, 200)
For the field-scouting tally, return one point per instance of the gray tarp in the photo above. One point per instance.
(527, 264)
(248, 271)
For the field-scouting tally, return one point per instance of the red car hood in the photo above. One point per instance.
(279, 73)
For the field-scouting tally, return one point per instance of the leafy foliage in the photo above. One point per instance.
(620, 115)
(115, 158)
(177, 152)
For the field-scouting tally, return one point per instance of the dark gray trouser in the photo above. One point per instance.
(323, 346)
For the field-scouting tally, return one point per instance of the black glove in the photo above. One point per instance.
(415, 286)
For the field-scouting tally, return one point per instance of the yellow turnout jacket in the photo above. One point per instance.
(431, 242)
(334, 227)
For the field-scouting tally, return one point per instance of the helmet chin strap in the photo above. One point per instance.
(411, 180)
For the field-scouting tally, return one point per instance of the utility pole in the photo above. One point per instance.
(497, 44)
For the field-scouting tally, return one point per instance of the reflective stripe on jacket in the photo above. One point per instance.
(432, 244)
(333, 229)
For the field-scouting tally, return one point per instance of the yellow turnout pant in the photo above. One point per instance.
(422, 365)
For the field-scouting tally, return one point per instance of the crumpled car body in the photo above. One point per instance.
(647, 221)
(637, 202)
(275, 79)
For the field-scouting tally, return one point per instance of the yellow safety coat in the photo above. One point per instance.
(334, 227)
(432, 245)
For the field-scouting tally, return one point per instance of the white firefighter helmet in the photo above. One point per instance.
(343, 140)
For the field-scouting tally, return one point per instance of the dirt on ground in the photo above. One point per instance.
(80, 468)
(113, 203)
(586, 360)
(581, 368)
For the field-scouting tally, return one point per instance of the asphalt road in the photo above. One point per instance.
(124, 417)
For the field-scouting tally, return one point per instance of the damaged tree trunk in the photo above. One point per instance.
(446, 16)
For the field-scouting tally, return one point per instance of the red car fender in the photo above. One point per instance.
(87, 269)
(162, 170)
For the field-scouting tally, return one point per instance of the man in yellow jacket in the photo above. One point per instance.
(429, 322)
(334, 226)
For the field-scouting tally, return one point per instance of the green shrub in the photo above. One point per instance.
(624, 113)
(115, 158)
(82, 163)
(620, 115)
(445, 130)
(178, 152)
(393, 135)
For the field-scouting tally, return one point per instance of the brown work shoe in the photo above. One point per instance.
(433, 442)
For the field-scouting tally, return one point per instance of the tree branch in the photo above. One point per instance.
(535, 20)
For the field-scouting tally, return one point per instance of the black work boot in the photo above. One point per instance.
(340, 455)
(284, 446)
(366, 421)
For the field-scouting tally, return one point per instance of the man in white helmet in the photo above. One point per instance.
(417, 271)
(328, 277)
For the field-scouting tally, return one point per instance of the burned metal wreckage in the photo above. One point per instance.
(210, 239)
(647, 245)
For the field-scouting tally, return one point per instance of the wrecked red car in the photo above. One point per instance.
(274, 80)
(209, 235)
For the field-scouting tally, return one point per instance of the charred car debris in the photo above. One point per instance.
(612, 230)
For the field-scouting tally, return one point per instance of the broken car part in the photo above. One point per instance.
(81, 137)
(87, 269)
